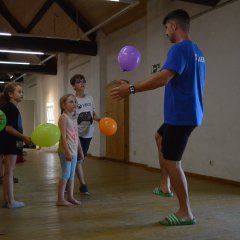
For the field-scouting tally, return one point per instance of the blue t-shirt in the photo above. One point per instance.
(183, 100)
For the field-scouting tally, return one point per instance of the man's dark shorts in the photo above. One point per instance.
(174, 140)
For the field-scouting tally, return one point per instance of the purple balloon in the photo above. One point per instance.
(129, 58)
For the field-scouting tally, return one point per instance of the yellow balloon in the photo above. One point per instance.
(46, 135)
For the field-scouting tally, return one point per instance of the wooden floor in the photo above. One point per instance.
(120, 206)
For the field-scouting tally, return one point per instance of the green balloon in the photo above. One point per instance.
(3, 120)
(46, 135)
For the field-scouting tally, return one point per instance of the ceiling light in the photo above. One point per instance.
(5, 34)
(22, 52)
(2, 82)
(10, 75)
(123, 1)
(7, 62)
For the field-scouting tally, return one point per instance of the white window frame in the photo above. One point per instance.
(50, 113)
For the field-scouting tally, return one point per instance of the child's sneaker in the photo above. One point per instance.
(15, 204)
(83, 189)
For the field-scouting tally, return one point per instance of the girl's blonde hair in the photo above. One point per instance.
(63, 100)
(9, 88)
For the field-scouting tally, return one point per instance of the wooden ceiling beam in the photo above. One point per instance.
(204, 2)
(9, 18)
(39, 15)
(4, 76)
(49, 45)
(48, 68)
(29, 69)
(76, 17)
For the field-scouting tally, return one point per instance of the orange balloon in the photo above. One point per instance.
(107, 126)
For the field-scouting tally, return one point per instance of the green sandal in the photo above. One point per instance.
(173, 220)
(157, 191)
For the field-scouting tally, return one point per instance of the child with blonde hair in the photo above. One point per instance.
(69, 149)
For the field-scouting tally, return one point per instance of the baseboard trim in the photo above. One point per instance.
(95, 157)
(189, 174)
(202, 177)
(213, 179)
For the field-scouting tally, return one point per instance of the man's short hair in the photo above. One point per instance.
(181, 17)
(76, 77)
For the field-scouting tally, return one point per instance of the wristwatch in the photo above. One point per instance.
(132, 89)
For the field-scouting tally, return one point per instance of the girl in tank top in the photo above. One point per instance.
(69, 150)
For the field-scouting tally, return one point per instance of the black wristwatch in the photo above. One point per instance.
(132, 89)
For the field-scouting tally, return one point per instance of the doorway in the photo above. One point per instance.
(117, 146)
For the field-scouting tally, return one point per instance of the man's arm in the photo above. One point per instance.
(158, 80)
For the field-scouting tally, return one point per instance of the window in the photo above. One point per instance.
(50, 115)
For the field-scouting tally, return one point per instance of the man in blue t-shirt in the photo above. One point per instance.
(183, 76)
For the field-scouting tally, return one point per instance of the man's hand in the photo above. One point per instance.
(120, 92)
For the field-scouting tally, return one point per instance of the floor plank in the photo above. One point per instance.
(120, 206)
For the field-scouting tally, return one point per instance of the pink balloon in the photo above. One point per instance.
(129, 58)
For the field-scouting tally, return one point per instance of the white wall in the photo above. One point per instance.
(26, 108)
(218, 138)
(43, 89)
(216, 32)
(136, 35)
